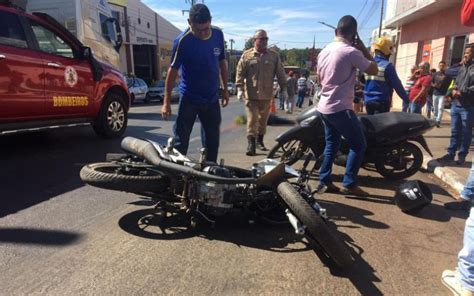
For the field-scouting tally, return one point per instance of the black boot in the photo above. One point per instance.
(251, 146)
(260, 144)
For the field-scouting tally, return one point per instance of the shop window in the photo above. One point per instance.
(148, 25)
(139, 21)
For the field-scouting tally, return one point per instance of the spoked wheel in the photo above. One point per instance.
(116, 176)
(399, 163)
(290, 151)
(315, 227)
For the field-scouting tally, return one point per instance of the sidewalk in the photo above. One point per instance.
(451, 174)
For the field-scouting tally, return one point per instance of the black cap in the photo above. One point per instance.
(199, 14)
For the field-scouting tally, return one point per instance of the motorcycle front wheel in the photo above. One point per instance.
(399, 163)
(119, 177)
(290, 151)
(315, 227)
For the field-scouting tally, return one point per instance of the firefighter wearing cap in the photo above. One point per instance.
(379, 88)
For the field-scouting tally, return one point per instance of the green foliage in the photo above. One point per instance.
(248, 44)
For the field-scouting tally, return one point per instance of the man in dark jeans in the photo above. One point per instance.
(462, 110)
(337, 65)
(199, 52)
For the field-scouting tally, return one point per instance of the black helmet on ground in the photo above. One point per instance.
(412, 196)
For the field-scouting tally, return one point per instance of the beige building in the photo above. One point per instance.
(147, 39)
(426, 30)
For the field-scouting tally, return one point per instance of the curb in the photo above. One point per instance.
(448, 176)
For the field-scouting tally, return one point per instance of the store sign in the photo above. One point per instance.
(144, 40)
(426, 54)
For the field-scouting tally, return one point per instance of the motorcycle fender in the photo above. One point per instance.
(304, 134)
(421, 140)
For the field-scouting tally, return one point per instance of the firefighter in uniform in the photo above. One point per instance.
(254, 79)
(379, 88)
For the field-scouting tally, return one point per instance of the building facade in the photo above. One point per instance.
(147, 40)
(427, 30)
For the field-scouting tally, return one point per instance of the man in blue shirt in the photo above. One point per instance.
(199, 53)
(379, 88)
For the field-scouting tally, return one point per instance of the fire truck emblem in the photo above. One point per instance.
(70, 76)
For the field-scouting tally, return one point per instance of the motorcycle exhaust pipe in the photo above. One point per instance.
(146, 151)
(299, 228)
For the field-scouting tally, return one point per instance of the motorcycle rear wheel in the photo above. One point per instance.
(290, 151)
(316, 227)
(395, 163)
(114, 176)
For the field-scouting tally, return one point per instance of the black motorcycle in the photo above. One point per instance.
(390, 142)
(203, 190)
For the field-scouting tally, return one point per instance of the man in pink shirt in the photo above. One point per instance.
(337, 64)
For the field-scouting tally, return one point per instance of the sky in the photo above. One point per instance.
(289, 23)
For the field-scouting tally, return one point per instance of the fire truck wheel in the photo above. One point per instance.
(112, 118)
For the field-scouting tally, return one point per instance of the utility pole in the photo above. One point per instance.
(381, 18)
(192, 2)
(231, 61)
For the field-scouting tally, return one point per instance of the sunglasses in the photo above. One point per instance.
(262, 38)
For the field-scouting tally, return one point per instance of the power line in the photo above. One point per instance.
(362, 9)
(369, 14)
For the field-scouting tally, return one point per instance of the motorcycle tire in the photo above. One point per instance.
(108, 175)
(293, 158)
(316, 227)
(397, 173)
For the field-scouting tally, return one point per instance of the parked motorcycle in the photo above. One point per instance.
(202, 189)
(390, 142)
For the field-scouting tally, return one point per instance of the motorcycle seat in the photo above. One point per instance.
(391, 122)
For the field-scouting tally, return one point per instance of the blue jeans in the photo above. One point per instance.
(468, 191)
(346, 124)
(300, 101)
(466, 255)
(210, 117)
(415, 108)
(461, 129)
(429, 106)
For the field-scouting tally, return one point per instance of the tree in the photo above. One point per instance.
(248, 44)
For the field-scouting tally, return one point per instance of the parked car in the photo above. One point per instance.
(156, 92)
(137, 88)
(231, 88)
(48, 79)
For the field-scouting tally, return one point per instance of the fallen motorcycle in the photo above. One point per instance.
(206, 190)
(389, 136)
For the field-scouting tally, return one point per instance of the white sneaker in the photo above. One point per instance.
(450, 278)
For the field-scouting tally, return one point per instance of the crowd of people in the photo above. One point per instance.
(348, 78)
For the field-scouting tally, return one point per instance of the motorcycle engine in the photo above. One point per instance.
(216, 198)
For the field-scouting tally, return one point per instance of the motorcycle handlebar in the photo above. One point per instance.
(146, 151)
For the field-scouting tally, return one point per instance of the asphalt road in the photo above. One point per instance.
(61, 237)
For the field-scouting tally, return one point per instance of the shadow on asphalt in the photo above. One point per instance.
(41, 165)
(235, 228)
(46, 237)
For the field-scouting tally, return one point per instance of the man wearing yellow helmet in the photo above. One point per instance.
(379, 88)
